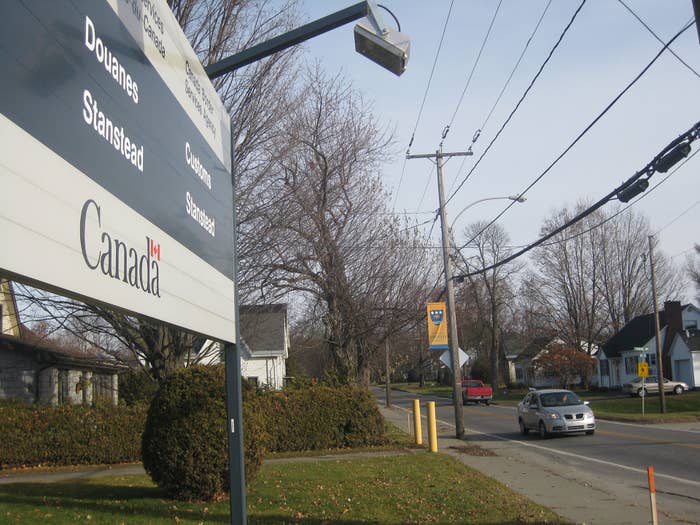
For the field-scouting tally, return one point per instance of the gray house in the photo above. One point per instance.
(636, 342)
(34, 369)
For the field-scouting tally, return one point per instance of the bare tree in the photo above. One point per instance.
(337, 245)
(693, 268)
(624, 269)
(592, 278)
(492, 289)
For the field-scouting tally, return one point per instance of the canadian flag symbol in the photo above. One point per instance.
(155, 249)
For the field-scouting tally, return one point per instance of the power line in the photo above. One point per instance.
(631, 11)
(585, 130)
(422, 105)
(503, 89)
(625, 208)
(512, 113)
(659, 163)
(471, 73)
(515, 67)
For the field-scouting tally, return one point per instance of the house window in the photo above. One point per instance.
(631, 365)
(690, 324)
(651, 359)
(519, 374)
(253, 380)
(604, 368)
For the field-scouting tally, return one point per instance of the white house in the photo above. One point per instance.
(636, 342)
(685, 357)
(264, 345)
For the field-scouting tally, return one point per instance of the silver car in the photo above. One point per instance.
(650, 385)
(555, 412)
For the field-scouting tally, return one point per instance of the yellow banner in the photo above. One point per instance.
(437, 326)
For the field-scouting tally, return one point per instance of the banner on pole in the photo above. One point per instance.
(437, 326)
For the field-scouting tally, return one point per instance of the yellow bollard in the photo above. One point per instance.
(418, 431)
(432, 427)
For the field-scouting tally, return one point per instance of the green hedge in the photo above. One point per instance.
(69, 435)
(320, 417)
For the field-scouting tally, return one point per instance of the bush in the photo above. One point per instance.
(136, 386)
(185, 444)
(69, 435)
(320, 417)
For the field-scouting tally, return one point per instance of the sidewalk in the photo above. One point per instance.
(584, 501)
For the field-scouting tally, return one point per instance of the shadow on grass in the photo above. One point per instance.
(138, 504)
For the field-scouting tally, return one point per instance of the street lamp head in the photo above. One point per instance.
(517, 198)
(390, 49)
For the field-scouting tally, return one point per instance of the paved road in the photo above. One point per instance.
(614, 460)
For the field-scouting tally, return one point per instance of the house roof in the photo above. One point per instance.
(636, 333)
(534, 347)
(691, 339)
(264, 328)
(45, 351)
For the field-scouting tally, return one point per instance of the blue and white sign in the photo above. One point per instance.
(115, 170)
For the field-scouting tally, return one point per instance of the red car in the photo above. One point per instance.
(474, 390)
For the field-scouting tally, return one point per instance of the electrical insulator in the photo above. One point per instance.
(634, 189)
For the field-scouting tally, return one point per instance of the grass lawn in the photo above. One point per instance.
(416, 487)
(610, 405)
(685, 407)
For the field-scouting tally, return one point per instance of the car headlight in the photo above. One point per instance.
(552, 415)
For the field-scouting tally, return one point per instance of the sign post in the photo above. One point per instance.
(643, 372)
(115, 180)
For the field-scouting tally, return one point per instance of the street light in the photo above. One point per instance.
(515, 198)
(373, 39)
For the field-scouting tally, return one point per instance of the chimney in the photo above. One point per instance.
(674, 324)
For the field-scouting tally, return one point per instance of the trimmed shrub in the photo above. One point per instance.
(185, 444)
(70, 435)
(136, 386)
(320, 417)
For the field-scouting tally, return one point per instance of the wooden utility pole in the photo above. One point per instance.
(453, 342)
(659, 361)
(388, 373)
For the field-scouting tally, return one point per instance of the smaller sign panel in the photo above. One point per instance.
(437, 326)
(463, 358)
(643, 369)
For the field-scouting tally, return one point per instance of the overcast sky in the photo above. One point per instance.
(604, 49)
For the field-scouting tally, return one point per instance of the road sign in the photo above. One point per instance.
(643, 369)
(116, 171)
(463, 358)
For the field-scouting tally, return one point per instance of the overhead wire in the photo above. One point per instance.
(627, 207)
(471, 73)
(422, 104)
(517, 106)
(478, 132)
(639, 19)
(689, 136)
(585, 130)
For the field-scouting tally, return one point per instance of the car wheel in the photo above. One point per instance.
(523, 429)
(543, 431)
(590, 432)
(464, 400)
(487, 402)
(678, 390)
(642, 392)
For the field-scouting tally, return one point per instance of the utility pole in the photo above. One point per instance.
(388, 374)
(659, 361)
(453, 342)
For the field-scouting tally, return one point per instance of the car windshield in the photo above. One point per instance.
(471, 384)
(560, 399)
(649, 379)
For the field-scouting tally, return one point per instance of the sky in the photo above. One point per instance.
(605, 48)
